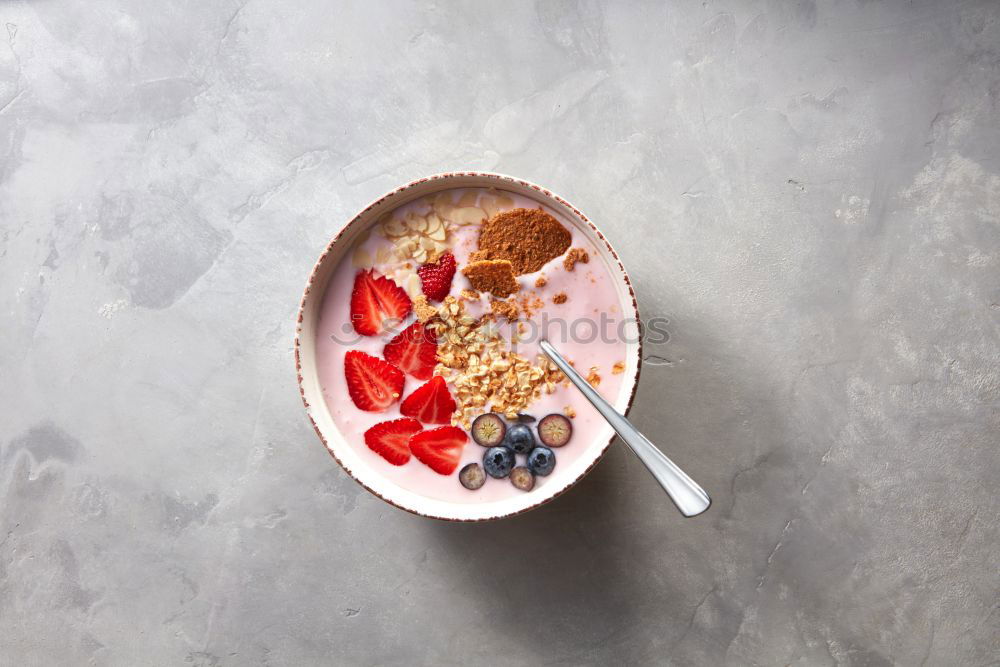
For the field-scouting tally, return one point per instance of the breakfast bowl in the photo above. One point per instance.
(417, 354)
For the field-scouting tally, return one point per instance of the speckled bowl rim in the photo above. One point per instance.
(500, 180)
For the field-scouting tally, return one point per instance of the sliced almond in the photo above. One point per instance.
(438, 234)
(504, 202)
(444, 211)
(433, 222)
(412, 285)
(382, 255)
(468, 199)
(394, 227)
(489, 204)
(470, 215)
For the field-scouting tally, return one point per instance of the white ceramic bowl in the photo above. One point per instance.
(345, 452)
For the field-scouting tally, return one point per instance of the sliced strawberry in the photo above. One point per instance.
(373, 297)
(365, 314)
(431, 403)
(391, 439)
(392, 298)
(435, 279)
(440, 448)
(372, 383)
(413, 351)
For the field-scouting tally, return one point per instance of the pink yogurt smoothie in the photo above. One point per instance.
(574, 327)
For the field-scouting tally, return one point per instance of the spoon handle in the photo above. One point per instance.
(690, 498)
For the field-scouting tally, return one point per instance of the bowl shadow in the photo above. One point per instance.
(559, 577)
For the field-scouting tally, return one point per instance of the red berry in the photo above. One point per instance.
(373, 384)
(435, 279)
(413, 351)
(440, 448)
(373, 298)
(431, 403)
(391, 439)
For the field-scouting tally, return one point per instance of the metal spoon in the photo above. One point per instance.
(690, 498)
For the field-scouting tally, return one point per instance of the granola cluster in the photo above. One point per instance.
(424, 311)
(477, 361)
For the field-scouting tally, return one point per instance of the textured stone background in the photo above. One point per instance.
(810, 192)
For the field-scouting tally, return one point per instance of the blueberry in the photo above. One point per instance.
(472, 476)
(520, 439)
(498, 461)
(525, 418)
(541, 461)
(488, 430)
(522, 478)
(554, 430)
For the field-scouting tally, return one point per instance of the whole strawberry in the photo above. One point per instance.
(435, 279)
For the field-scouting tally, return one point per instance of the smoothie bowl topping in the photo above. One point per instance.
(444, 299)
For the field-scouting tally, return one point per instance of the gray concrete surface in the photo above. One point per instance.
(810, 192)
